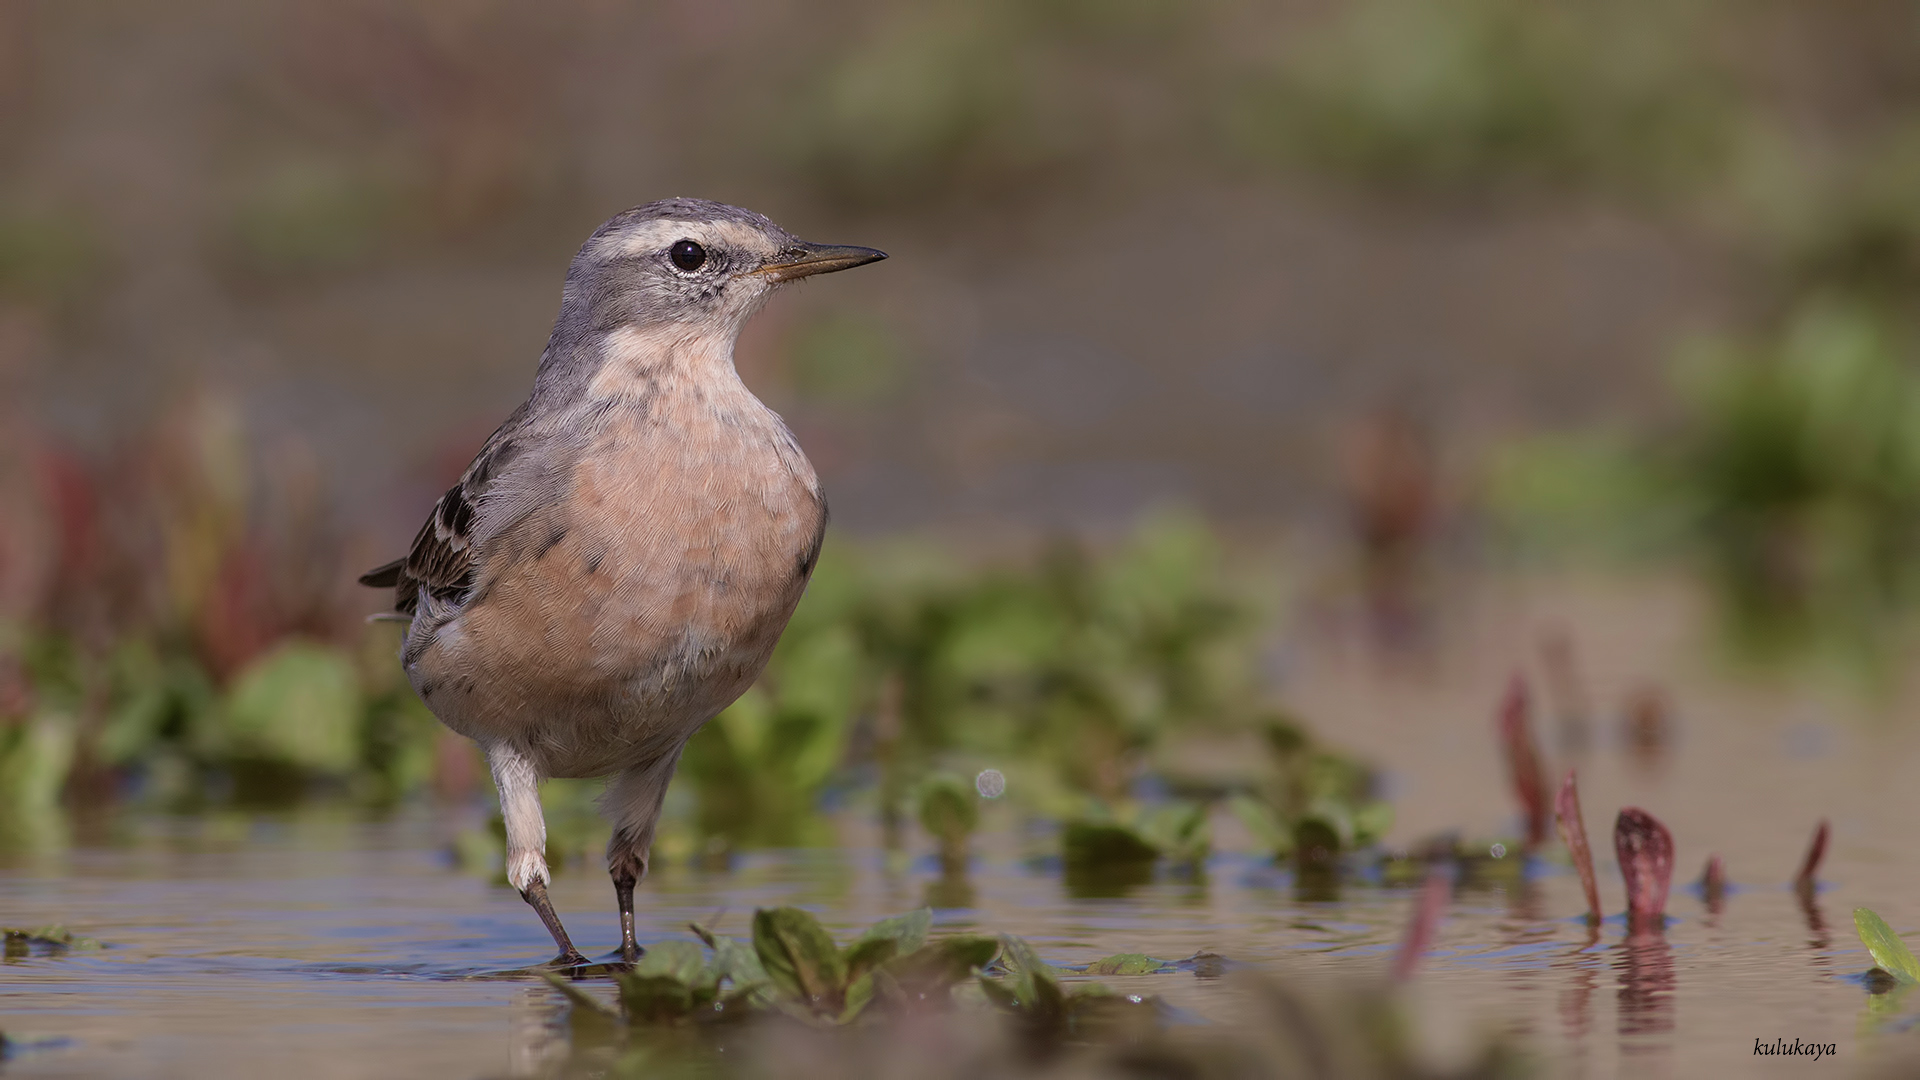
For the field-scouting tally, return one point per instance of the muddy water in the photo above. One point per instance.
(326, 944)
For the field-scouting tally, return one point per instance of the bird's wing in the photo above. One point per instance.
(441, 560)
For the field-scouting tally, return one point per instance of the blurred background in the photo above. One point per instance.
(1228, 350)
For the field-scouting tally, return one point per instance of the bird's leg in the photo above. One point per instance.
(632, 803)
(623, 883)
(519, 785)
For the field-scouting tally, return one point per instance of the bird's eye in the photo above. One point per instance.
(687, 255)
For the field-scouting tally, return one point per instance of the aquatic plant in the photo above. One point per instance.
(1713, 883)
(1175, 830)
(1523, 761)
(674, 982)
(949, 812)
(1318, 803)
(22, 942)
(1030, 990)
(1808, 879)
(792, 967)
(1645, 849)
(1573, 833)
(1889, 952)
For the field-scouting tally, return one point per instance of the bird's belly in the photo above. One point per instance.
(606, 644)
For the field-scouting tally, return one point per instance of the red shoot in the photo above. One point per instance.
(1645, 849)
(1713, 883)
(1816, 851)
(1573, 832)
(1523, 762)
(1426, 919)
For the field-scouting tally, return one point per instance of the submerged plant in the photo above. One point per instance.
(1030, 990)
(21, 942)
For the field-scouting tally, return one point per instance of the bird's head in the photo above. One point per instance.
(690, 265)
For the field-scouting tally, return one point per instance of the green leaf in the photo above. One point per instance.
(800, 958)
(949, 809)
(682, 960)
(1268, 830)
(738, 964)
(1371, 821)
(55, 936)
(1032, 985)
(1180, 829)
(908, 931)
(1888, 950)
(869, 953)
(935, 968)
(1125, 964)
(655, 999)
(859, 996)
(1000, 994)
(299, 704)
(1094, 844)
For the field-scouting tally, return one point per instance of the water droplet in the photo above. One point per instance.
(990, 784)
(1498, 851)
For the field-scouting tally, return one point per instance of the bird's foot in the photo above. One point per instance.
(631, 952)
(571, 958)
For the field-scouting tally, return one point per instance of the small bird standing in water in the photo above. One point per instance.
(617, 563)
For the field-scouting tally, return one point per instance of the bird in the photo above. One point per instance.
(614, 567)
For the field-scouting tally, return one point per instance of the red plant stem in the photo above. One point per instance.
(1645, 850)
(1816, 851)
(1713, 883)
(1426, 919)
(1573, 832)
(1523, 761)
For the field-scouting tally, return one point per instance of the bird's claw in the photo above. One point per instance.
(569, 959)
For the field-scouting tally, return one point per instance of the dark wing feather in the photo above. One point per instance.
(441, 560)
(384, 576)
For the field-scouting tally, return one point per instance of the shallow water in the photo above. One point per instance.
(324, 943)
(324, 946)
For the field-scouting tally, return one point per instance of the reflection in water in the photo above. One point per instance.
(1818, 938)
(950, 890)
(1645, 964)
(1315, 883)
(1576, 1001)
(1525, 906)
(326, 936)
(1113, 881)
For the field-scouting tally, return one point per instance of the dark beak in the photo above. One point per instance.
(806, 260)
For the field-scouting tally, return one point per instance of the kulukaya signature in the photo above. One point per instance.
(1816, 1051)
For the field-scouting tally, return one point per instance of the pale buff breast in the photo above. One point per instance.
(646, 600)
